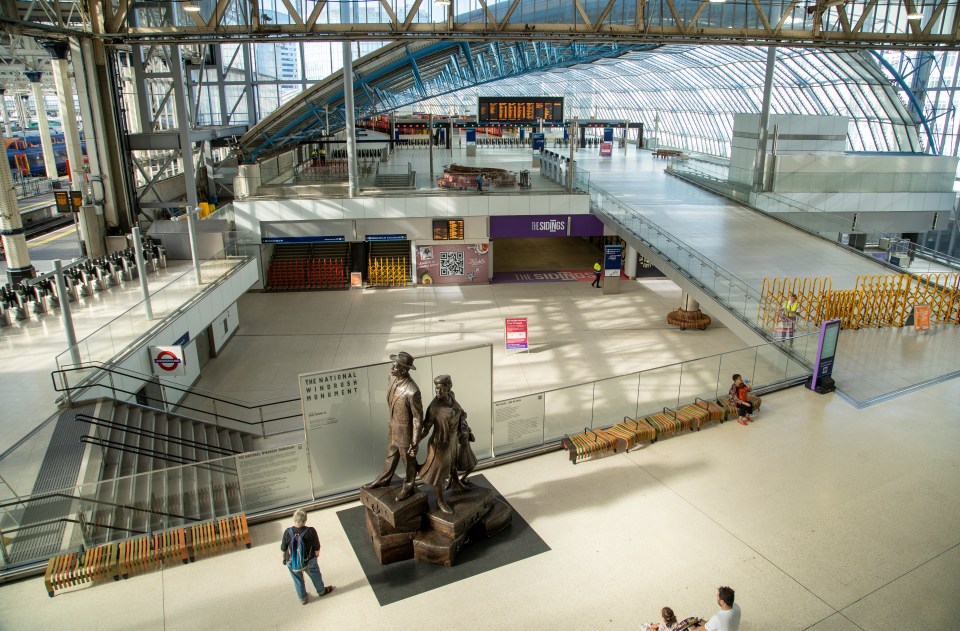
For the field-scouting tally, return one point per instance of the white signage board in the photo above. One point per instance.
(274, 478)
(336, 415)
(168, 361)
(517, 423)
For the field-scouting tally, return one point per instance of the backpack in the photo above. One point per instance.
(298, 560)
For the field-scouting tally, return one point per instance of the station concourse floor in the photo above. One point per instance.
(821, 515)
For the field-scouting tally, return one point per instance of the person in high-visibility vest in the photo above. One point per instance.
(787, 317)
(323, 155)
(596, 275)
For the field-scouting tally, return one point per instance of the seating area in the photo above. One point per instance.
(144, 553)
(620, 438)
(313, 266)
(459, 177)
(669, 153)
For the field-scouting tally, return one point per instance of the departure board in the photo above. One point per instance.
(451, 230)
(514, 109)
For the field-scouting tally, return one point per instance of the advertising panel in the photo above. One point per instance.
(529, 226)
(460, 263)
(515, 334)
(606, 149)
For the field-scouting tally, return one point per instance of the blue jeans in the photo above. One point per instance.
(314, 571)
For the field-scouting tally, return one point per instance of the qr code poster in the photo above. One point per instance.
(462, 263)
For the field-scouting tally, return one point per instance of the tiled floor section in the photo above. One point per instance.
(820, 516)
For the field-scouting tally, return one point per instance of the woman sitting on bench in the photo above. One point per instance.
(738, 398)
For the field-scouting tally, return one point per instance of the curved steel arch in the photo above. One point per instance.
(402, 74)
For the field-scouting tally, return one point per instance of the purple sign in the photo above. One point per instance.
(545, 226)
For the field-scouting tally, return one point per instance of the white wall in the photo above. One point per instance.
(192, 320)
(250, 213)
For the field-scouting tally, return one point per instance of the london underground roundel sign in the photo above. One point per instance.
(167, 360)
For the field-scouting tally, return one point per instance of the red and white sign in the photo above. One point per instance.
(516, 333)
(606, 149)
(168, 361)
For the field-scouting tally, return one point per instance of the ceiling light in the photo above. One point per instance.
(191, 8)
(445, 2)
(916, 15)
(716, 1)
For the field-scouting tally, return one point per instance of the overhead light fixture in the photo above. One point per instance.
(915, 15)
(191, 8)
(443, 2)
(716, 1)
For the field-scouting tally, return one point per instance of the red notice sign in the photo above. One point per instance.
(516, 333)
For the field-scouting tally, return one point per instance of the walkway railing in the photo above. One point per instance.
(887, 247)
(176, 296)
(736, 295)
(548, 417)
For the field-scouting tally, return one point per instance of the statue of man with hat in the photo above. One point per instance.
(405, 424)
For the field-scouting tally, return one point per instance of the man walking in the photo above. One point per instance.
(405, 424)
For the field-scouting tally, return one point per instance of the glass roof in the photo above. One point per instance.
(696, 90)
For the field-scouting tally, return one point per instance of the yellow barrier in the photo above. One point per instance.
(392, 271)
(876, 301)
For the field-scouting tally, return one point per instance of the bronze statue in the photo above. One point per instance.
(445, 416)
(466, 460)
(406, 419)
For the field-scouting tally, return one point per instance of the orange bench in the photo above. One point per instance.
(217, 536)
(76, 568)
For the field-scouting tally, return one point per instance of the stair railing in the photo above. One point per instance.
(214, 414)
(139, 431)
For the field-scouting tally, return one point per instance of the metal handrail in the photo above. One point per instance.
(140, 451)
(139, 431)
(112, 370)
(68, 496)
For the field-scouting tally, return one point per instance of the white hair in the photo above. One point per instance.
(299, 518)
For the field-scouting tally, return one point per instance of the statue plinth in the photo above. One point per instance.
(383, 503)
(415, 528)
(468, 505)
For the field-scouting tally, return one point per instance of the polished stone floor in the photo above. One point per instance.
(821, 516)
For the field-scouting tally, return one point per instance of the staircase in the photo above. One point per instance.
(115, 470)
(393, 181)
(135, 456)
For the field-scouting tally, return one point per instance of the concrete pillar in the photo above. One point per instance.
(7, 125)
(654, 143)
(65, 315)
(349, 116)
(630, 262)
(11, 230)
(68, 113)
(573, 143)
(46, 142)
(687, 303)
(759, 165)
(430, 135)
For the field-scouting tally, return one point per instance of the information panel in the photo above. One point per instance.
(517, 423)
(274, 478)
(448, 230)
(519, 109)
(516, 334)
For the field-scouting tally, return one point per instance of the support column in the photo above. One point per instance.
(349, 118)
(96, 84)
(23, 112)
(573, 143)
(688, 316)
(65, 315)
(630, 262)
(7, 125)
(46, 142)
(11, 230)
(430, 135)
(655, 141)
(68, 114)
(183, 127)
(759, 165)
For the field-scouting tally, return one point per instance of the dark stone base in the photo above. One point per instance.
(398, 581)
(468, 505)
